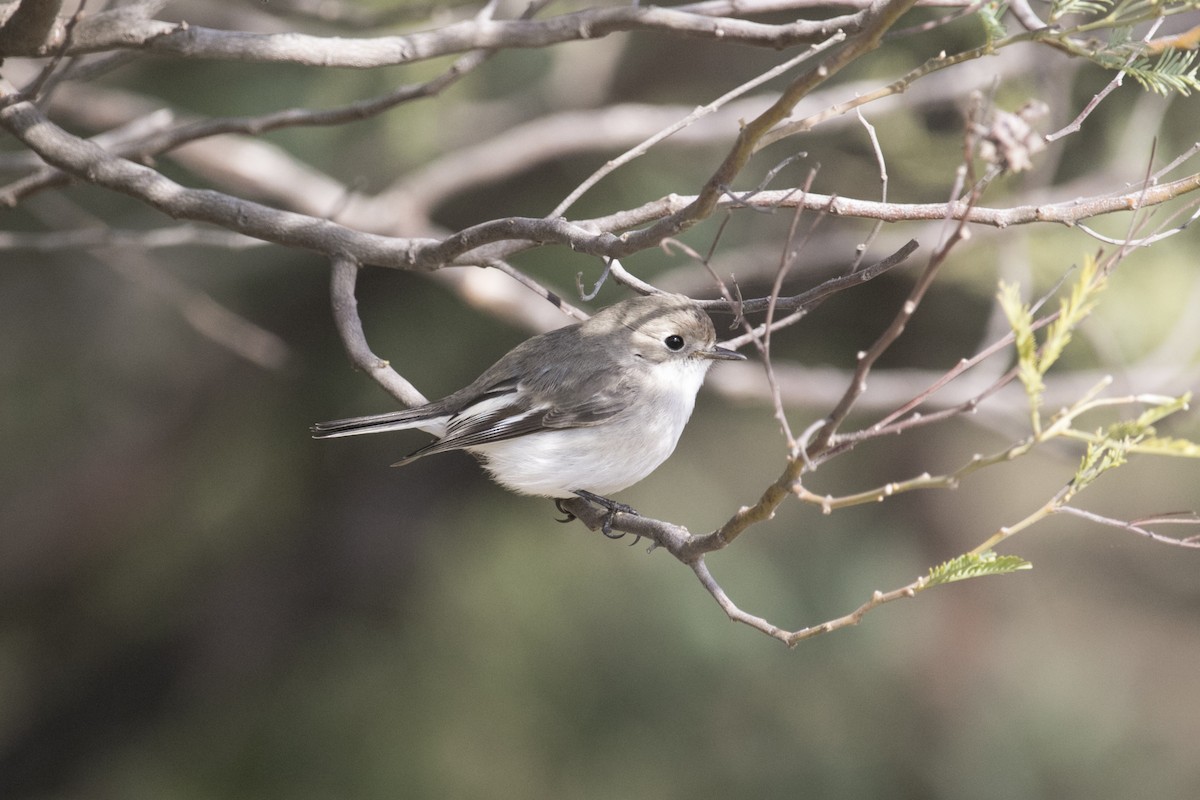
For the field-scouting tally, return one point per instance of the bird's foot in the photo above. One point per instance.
(613, 508)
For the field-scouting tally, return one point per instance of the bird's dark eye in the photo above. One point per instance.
(674, 342)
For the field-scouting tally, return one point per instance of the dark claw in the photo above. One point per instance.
(567, 515)
(606, 528)
(613, 508)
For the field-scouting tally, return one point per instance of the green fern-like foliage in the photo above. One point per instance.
(1105, 453)
(1139, 436)
(1120, 50)
(1173, 72)
(1020, 318)
(1072, 310)
(1032, 362)
(1110, 447)
(1066, 8)
(971, 565)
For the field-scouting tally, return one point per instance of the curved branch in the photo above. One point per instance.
(349, 326)
(90, 162)
(682, 545)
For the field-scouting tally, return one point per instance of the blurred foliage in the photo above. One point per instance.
(198, 601)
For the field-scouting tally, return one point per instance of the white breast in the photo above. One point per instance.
(605, 458)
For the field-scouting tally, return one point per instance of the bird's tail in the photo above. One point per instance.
(378, 423)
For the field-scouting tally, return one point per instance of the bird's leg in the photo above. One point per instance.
(613, 508)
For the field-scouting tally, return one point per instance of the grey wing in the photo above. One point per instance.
(594, 410)
(507, 411)
(577, 389)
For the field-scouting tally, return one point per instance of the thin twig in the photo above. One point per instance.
(873, 137)
(541, 291)
(867, 358)
(787, 259)
(1077, 123)
(702, 111)
(881, 16)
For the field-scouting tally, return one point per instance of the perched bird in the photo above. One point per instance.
(586, 410)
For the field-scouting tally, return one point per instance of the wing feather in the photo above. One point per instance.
(509, 412)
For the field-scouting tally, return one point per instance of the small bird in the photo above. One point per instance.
(586, 410)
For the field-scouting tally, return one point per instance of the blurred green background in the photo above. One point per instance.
(198, 601)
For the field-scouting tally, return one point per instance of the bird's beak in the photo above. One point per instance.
(721, 354)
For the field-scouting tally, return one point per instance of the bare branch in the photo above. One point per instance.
(708, 20)
(344, 276)
(186, 235)
(804, 302)
(347, 13)
(541, 291)
(883, 185)
(87, 160)
(1025, 15)
(1067, 212)
(881, 16)
(690, 550)
(26, 28)
(730, 608)
(866, 360)
(1077, 123)
(702, 111)
(763, 341)
(1138, 526)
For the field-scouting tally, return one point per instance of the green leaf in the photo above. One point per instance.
(971, 565)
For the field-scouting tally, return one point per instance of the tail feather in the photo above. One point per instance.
(379, 423)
